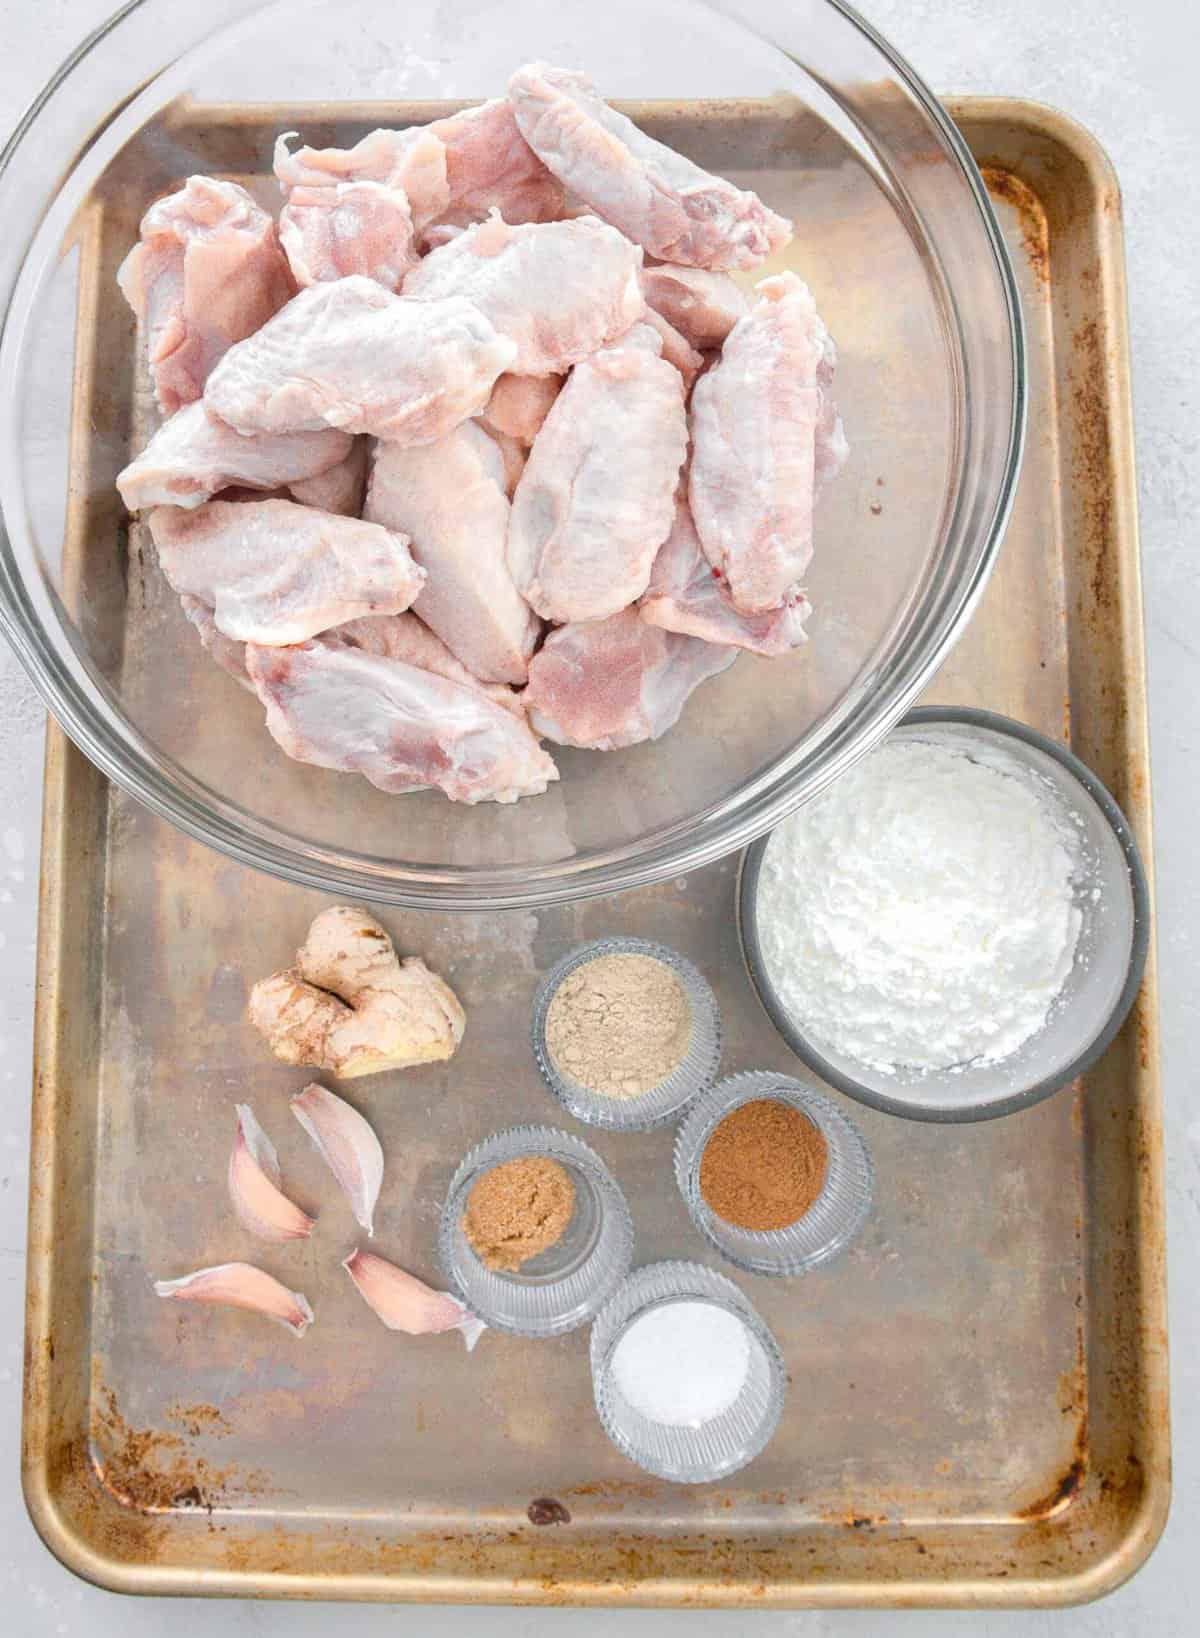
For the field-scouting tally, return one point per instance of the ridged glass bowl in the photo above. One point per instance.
(717, 1447)
(894, 233)
(662, 1103)
(835, 1217)
(563, 1286)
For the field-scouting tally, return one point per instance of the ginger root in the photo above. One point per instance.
(351, 1007)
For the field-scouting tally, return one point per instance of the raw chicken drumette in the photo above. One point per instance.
(412, 163)
(450, 499)
(353, 227)
(490, 166)
(609, 683)
(207, 272)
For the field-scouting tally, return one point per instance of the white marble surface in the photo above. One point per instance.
(1127, 71)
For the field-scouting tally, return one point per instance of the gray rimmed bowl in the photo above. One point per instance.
(1109, 960)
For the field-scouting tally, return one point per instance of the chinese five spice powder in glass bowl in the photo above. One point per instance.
(763, 1166)
(772, 1173)
(625, 1033)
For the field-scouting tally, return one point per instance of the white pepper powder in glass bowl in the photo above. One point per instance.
(626, 1033)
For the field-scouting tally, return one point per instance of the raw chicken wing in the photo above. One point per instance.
(676, 348)
(340, 488)
(830, 450)
(276, 572)
(352, 227)
(754, 421)
(194, 454)
(512, 456)
(686, 594)
(397, 726)
(702, 306)
(206, 272)
(352, 355)
(520, 403)
(228, 654)
(615, 682)
(449, 497)
(673, 209)
(404, 637)
(557, 289)
(412, 162)
(596, 498)
(489, 165)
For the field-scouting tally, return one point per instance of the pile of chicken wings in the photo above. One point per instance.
(481, 444)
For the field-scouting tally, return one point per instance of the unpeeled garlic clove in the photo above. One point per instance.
(259, 1204)
(241, 1285)
(405, 1303)
(348, 1144)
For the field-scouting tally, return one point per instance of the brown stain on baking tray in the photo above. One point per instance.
(154, 1471)
(1004, 185)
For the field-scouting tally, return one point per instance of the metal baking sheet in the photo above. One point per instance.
(978, 1410)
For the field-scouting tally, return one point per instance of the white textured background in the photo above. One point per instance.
(1129, 72)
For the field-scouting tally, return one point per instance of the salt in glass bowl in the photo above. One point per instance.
(563, 1286)
(1110, 891)
(835, 1217)
(895, 235)
(662, 1103)
(687, 1455)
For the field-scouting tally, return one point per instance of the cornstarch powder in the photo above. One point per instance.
(920, 913)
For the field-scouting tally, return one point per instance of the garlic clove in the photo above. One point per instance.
(348, 1144)
(241, 1285)
(405, 1303)
(259, 1203)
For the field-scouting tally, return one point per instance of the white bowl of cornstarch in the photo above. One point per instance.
(957, 927)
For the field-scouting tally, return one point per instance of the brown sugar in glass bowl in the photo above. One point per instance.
(764, 1165)
(517, 1210)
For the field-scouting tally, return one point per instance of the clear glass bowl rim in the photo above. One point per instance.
(97, 727)
(1024, 1098)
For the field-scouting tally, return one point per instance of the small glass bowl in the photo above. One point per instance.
(566, 1284)
(687, 1455)
(664, 1102)
(832, 1221)
(1113, 899)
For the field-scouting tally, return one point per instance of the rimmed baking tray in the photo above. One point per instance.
(978, 1411)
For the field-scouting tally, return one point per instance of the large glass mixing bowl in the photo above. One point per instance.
(802, 101)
